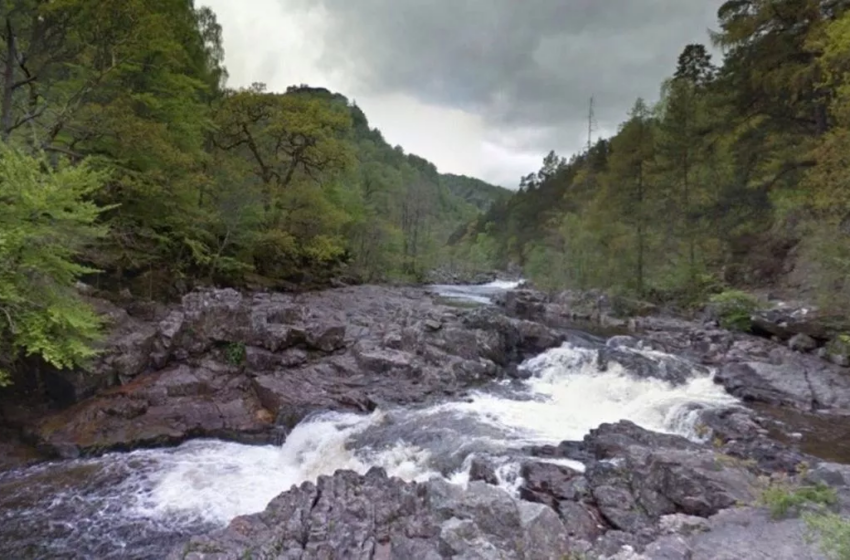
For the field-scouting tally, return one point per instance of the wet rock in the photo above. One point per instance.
(640, 476)
(546, 483)
(777, 375)
(483, 471)
(351, 516)
(158, 409)
(669, 368)
(582, 521)
(573, 450)
(222, 363)
(14, 453)
(525, 304)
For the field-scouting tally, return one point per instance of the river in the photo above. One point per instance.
(137, 505)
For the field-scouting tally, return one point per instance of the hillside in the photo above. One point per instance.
(479, 193)
(130, 165)
(735, 177)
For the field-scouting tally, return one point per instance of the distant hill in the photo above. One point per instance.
(479, 193)
(405, 210)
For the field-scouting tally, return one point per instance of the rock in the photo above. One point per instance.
(838, 351)
(749, 533)
(326, 338)
(669, 368)
(802, 343)
(373, 516)
(786, 322)
(782, 377)
(547, 483)
(159, 409)
(126, 352)
(525, 304)
(223, 363)
(14, 453)
(639, 476)
(433, 325)
(483, 471)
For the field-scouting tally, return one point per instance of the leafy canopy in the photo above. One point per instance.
(46, 218)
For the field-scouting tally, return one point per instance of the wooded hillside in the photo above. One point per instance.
(127, 162)
(738, 175)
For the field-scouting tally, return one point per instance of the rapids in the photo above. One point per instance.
(139, 504)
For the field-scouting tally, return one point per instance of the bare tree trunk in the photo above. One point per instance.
(8, 83)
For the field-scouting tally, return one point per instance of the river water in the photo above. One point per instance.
(138, 505)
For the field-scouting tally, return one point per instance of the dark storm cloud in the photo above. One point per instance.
(528, 63)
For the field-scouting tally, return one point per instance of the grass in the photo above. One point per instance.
(782, 498)
(833, 532)
(830, 530)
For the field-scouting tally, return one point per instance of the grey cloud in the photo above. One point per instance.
(516, 62)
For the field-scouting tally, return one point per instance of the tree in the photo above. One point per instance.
(283, 135)
(628, 187)
(682, 140)
(695, 66)
(47, 219)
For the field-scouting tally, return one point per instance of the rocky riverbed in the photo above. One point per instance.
(410, 424)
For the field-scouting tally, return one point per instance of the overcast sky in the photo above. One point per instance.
(479, 87)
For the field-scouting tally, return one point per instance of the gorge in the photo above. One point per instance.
(433, 387)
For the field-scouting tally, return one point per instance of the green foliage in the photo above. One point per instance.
(832, 531)
(712, 185)
(781, 498)
(47, 220)
(473, 191)
(235, 353)
(212, 185)
(735, 309)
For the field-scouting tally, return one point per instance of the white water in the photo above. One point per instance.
(477, 294)
(135, 502)
(566, 397)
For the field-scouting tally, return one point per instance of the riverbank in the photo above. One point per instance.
(421, 385)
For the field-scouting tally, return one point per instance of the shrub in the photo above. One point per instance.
(734, 309)
(780, 498)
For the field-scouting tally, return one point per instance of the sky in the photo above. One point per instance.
(479, 87)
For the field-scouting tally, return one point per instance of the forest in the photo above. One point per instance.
(737, 176)
(127, 163)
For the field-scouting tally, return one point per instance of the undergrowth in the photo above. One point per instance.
(783, 498)
(735, 309)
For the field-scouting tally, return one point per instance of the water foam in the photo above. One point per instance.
(503, 284)
(566, 397)
(215, 481)
(142, 497)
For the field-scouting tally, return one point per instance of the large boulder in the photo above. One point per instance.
(376, 517)
(251, 366)
(633, 479)
(758, 371)
(786, 321)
